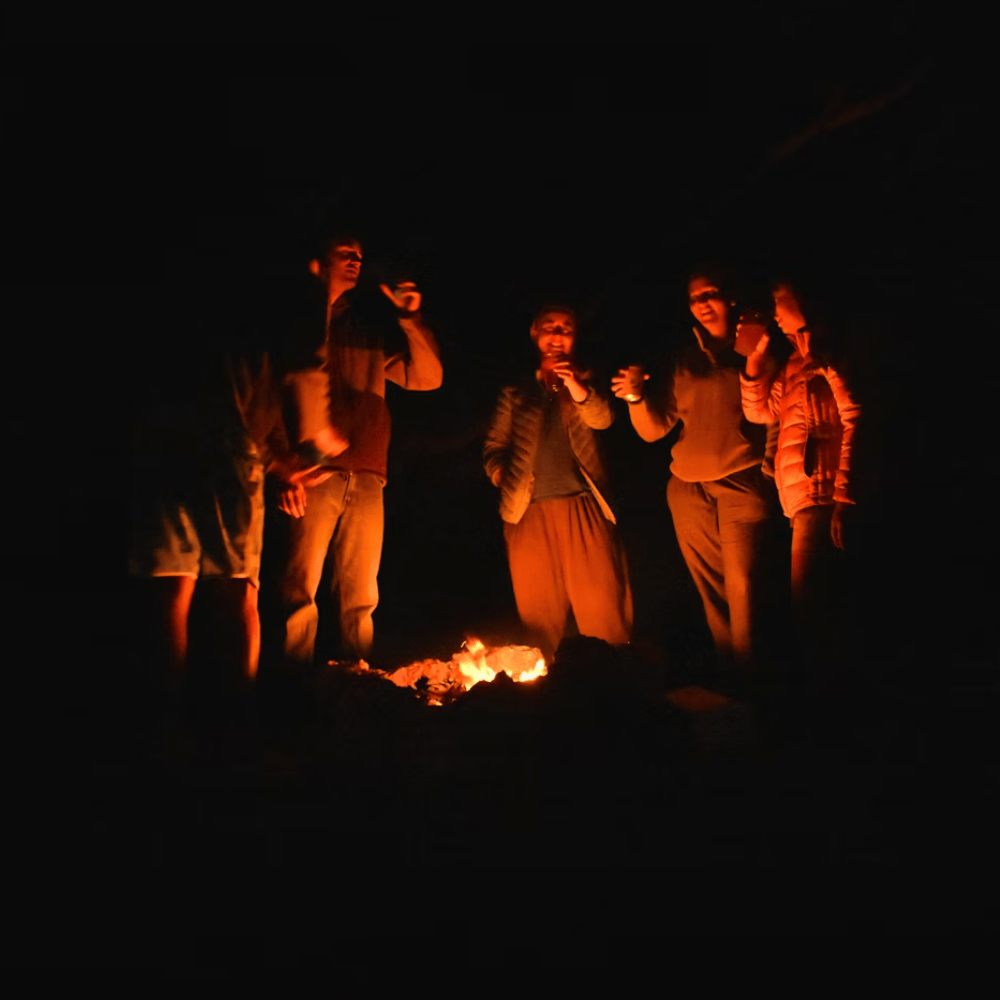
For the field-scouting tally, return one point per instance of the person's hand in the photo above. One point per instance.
(629, 383)
(405, 296)
(294, 479)
(566, 371)
(756, 362)
(292, 499)
(837, 524)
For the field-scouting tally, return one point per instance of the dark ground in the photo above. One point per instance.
(171, 178)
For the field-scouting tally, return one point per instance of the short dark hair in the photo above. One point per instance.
(324, 245)
(552, 307)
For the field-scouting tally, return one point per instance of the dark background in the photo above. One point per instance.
(503, 175)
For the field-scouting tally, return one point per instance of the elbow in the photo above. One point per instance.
(432, 378)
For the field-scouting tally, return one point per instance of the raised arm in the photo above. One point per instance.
(423, 370)
(760, 386)
(650, 423)
(593, 407)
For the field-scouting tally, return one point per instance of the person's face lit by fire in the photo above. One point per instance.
(341, 269)
(787, 311)
(555, 333)
(709, 306)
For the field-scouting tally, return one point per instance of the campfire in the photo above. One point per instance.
(440, 680)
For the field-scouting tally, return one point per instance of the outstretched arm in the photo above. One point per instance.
(649, 423)
(423, 369)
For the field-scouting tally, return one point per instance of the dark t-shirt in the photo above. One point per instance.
(556, 471)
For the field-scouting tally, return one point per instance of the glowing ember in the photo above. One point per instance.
(475, 663)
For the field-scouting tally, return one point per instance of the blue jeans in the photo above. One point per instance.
(343, 518)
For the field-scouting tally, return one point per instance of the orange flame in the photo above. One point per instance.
(477, 663)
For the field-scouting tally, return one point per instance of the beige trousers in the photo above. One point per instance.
(722, 530)
(565, 554)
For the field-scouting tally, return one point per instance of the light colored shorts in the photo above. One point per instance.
(199, 526)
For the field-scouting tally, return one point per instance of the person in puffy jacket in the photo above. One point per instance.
(542, 452)
(817, 417)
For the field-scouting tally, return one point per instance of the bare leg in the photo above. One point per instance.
(176, 593)
(241, 608)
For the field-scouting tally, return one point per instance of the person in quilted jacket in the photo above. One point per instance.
(542, 452)
(817, 416)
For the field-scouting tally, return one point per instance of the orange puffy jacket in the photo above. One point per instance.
(817, 417)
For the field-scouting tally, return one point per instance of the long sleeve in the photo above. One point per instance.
(423, 370)
(595, 411)
(496, 448)
(850, 412)
(651, 422)
(761, 398)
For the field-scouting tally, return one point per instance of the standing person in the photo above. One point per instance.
(817, 417)
(717, 494)
(338, 509)
(542, 453)
(209, 428)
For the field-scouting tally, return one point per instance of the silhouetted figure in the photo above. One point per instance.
(542, 453)
(209, 429)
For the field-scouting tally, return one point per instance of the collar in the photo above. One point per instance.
(339, 307)
(724, 346)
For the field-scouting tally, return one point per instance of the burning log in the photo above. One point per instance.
(470, 665)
